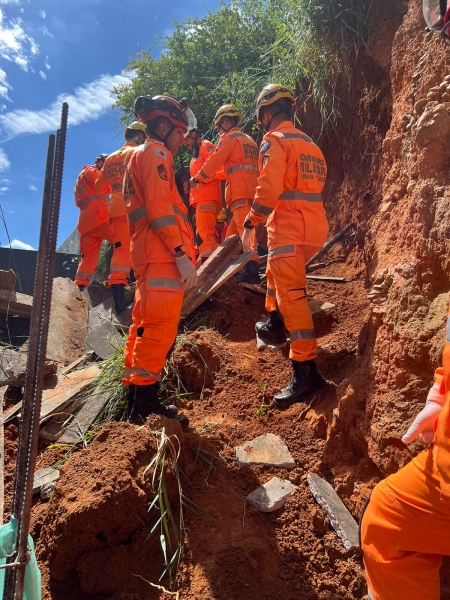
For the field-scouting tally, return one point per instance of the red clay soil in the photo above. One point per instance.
(91, 535)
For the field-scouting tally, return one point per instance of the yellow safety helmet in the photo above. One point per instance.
(222, 216)
(227, 110)
(271, 93)
(136, 126)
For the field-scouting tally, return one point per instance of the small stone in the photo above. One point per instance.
(267, 449)
(47, 489)
(447, 78)
(272, 495)
(419, 106)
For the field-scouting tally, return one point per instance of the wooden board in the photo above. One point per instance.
(84, 419)
(44, 476)
(227, 271)
(54, 428)
(15, 303)
(210, 271)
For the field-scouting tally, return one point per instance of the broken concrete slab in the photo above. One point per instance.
(13, 367)
(57, 425)
(44, 477)
(268, 450)
(272, 495)
(47, 489)
(68, 322)
(340, 518)
(81, 422)
(105, 312)
(104, 340)
(261, 345)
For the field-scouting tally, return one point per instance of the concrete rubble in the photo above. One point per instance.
(272, 495)
(268, 450)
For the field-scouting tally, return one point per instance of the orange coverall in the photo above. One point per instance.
(293, 172)
(207, 200)
(93, 223)
(110, 181)
(237, 154)
(159, 228)
(405, 528)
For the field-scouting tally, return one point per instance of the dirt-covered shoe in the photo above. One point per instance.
(146, 403)
(305, 381)
(118, 290)
(271, 332)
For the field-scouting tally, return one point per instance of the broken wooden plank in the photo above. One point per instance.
(77, 362)
(81, 422)
(43, 477)
(340, 518)
(7, 280)
(104, 340)
(15, 303)
(55, 427)
(326, 278)
(211, 269)
(228, 270)
(254, 287)
(315, 266)
(317, 306)
(66, 389)
(339, 236)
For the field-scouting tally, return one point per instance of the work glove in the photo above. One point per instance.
(194, 185)
(248, 239)
(188, 273)
(423, 425)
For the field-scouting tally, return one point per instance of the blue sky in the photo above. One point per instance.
(74, 50)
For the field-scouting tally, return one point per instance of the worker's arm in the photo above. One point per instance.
(157, 175)
(215, 162)
(101, 185)
(270, 181)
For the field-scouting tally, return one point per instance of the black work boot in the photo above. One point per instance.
(118, 290)
(271, 332)
(146, 403)
(252, 272)
(81, 288)
(305, 381)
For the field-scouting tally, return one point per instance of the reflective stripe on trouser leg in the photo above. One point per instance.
(289, 276)
(271, 295)
(121, 260)
(90, 244)
(404, 532)
(131, 340)
(239, 214)
(206, 212)
(161, 297)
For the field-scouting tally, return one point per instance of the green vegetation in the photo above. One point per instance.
(228, 55)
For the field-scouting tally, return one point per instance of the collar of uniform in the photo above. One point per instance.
(285, 125)
(232, 130)
(128, 144)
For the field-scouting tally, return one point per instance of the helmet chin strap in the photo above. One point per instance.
(166, 137)
(267, 127)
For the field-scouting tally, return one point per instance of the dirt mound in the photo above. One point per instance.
(97, 504)
(197, 358)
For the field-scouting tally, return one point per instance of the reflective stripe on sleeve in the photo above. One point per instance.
(116, 186)
(180, 213)
(302, 334)
(261, 209)
(161, 222)
(119, 268)
(297, 136)
(271, 293)
(85, 275)
(281, 250)
(164, 282)
(298, 195)
(241, 167)
(91, 199)
(202, 174)
(137, 214)
(207, 207)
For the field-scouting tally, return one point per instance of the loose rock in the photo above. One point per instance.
(272, 495)
(268, 450)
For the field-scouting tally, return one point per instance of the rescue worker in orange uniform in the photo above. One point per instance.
(162, 254)
(220, 232)
(93, 222)
(406, 524)
(205, 197)
(288, 195)
(237, 155)
(110, 182)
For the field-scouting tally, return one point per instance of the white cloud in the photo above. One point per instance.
(16, 45)
(43, 13)
(4, 189)
(4, 162)
(45, 31)
(42, 74)
(47, 64)
(86, 104)
(18, 245)
(4, 85)
(32, 187)
(16, 2)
